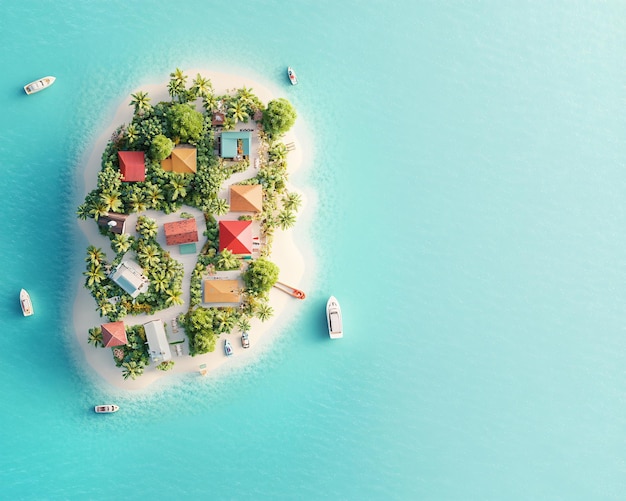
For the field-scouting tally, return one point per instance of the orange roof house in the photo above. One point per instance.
(113, 334)
(236, 236)
(181, 232)
(221, 291)
(132, 165)
(182, 160)
(246, 198)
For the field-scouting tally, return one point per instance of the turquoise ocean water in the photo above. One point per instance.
(470, 166)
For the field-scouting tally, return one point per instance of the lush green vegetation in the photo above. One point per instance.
(156, 130)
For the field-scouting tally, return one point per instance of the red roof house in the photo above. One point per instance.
(132, 165)
(114, 334)
(236, 236)
(181, 232)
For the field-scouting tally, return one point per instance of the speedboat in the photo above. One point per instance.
(292, 76)
(333, 315)
(228, 349)
(26, 303)
(38, 85)
(245, 340)
(106, 408)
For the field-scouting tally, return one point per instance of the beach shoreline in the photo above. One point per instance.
(285, 254)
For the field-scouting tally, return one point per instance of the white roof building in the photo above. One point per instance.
(158, 347)
(129, 276)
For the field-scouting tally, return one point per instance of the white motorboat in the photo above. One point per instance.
(292, 76)
(37, 85)
(106, 408)
(26, 303)
(333, 315)
(228, 348)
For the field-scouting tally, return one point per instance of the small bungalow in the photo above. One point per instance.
(183, 160)
(221, 291)
(246, 198)
(158, 347)
(115, 222)
(180, 232)
(113, 334)
(129, 276)
(132, 166)
(236, 236)
(235, 144)
(217, 120)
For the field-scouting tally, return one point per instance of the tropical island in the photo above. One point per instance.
(189, 196)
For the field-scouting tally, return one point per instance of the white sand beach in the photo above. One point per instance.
(285, 253)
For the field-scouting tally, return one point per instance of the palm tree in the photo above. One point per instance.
(154, 194)
(95, 336)
(227, 260)
(98, 209)
(292, 201)
(131, 133)
(106, 308)
(209, 102)
(137, 202)
(112, 200)
(278, 152)
(286, 219)
(174, 297)
(243, 324)
(238, 112)
(121, 243)
(95, 255)
(219, 206)
(147, 227)
(178, 185)
(94, 275)
(132, 369)
(174, 88)
(82, 212)
(159, 281)
(264, 311)
(245, 95)
(179, 76)
(140, 101)
(150, 255)
(201, 86)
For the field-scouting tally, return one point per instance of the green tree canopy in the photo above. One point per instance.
(279, 117)
(161, 147)
(185, 122)
(260, 276)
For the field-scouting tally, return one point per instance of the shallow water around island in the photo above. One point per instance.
(468, 182)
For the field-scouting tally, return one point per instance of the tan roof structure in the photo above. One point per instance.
(246, 198)
(182, 160)
(181, 232)
(113, 334)
(221, 291)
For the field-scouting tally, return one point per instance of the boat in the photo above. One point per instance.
(26, 303)
(228, 349)
(37, 85)
(292, 76)
(333, 315)
(106, 408)
(245, 340)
